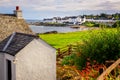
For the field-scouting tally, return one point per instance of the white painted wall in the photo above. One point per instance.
(54, 20)
(2, 66)
(11, 58)
(92, 20)
(37, 61)
(3, 70)
(78, 19)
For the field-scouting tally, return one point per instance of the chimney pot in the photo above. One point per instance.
(17, 7)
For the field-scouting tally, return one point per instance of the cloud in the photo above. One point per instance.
(48, 8)
(63, 5)
(113, 5)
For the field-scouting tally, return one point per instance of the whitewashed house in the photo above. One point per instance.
(100, 21)
(79, 19)
(84, 19)
(48, 20)
(70, 19)
(56, 20)
(26, 57)
(65, 19)
(53, 20)
(76, 19)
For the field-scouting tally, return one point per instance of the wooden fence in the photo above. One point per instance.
(108, 70)
(61, 52)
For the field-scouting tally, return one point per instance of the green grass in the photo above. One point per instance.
(63, 39)
(101, 45)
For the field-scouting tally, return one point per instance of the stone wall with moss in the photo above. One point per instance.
(10, 24)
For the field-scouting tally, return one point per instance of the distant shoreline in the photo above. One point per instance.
(47, 24)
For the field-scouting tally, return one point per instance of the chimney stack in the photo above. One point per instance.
(18, 12)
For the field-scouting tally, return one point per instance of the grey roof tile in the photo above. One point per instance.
(18, 42)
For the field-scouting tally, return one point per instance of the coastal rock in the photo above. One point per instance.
(51, 32)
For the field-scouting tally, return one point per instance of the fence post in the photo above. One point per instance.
(108, 70)
(69, 49)
(58, 50)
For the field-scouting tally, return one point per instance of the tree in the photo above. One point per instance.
(116, 24)
(103, 15)
(116, 16)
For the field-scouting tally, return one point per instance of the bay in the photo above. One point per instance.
(60, 29)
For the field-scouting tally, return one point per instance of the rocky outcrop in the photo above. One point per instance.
(9, 24)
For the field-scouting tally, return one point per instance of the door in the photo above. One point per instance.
(9, 70)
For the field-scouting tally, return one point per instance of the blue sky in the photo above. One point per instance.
(39, 9)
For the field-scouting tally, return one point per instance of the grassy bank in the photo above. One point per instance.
(63, 39)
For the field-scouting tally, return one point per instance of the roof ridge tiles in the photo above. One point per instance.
(9, 41)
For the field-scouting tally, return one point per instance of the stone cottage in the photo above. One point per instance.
(23, 55)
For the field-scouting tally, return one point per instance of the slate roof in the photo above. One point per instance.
(15, 42)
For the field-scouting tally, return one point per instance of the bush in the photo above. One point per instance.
(101, 46)
(95, 24)
(91, 24)
(116, 24)
(69, 60)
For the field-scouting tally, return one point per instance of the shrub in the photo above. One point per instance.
(69, 60)
(101, 46)
(116, 24)
(90, 24)
(95, 24)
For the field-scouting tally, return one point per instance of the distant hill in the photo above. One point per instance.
(32, 21)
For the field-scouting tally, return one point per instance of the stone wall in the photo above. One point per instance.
(9, 24)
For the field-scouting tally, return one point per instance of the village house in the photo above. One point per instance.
(49, 20)
(23, 55)
(100, 20)
(69, 20)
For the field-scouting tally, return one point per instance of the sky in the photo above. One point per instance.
(39, 9)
